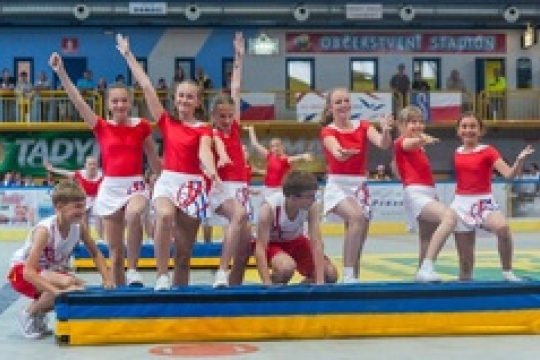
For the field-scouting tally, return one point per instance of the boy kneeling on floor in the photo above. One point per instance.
(40, 269)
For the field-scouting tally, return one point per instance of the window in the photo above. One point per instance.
(300, 78)
(430, 71)
(24, 65)
(364, 74)
(187, 65)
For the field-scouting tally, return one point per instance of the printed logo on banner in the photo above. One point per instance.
(309, 106)
(370, 106)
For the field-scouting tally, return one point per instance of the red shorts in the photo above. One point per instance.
(299, 249)
(19, 283)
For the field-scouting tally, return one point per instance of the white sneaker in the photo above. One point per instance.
(510, 276)
(221, 280)
(28, 324)
(162, 283)
(350, 280)
(133, 278)
(427, 276)
(42, 324)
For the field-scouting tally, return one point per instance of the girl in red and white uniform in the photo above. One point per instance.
(180, 197)
(231, 201)
(434, 219)
(278, 164)
(474, 201)
(122, 197)
(89, 178)
(345, 145)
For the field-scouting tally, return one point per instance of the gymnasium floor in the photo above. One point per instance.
(385, 258)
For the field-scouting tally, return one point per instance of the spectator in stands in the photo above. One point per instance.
(28, 181)
(400, 83)
(496, 94)
(380, 173)
(101, 85)
(454, 82)
(7, 82)
(205, 84)
(86, 83)
(9, 179)
(24, 85)
(120, 80)
(162, 85)
(419, 84)
(42, 82)
(7, 104)
(49, 180)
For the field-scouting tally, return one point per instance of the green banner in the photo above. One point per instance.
(25, 151)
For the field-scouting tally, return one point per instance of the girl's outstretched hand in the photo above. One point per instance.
(387, 122)
(55, 62)
(122, 44)
(525, 152)
(239, 46)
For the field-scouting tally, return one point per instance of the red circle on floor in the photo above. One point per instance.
(203, 349)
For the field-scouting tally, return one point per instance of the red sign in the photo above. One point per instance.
(384, 42)
(70, 45)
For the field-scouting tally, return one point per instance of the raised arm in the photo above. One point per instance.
(510, 172)
(56, 63)
(255, 142)
(152, 100)
(50, 168)
(382, 139)
(236, 80)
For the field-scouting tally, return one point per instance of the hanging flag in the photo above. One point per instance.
(445, 106)
(257, 106)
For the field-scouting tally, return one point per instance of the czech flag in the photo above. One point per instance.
(257, 106)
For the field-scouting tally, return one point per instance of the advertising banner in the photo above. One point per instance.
(25, 151)
(365, 106)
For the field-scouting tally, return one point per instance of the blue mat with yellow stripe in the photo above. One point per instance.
(254, 312)
(203, 256)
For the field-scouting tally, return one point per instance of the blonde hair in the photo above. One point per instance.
(408, 113)
(67, 191)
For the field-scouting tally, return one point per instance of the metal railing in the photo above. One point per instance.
(55, 106)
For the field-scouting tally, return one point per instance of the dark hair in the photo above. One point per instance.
(471, 114)
(298, 181)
